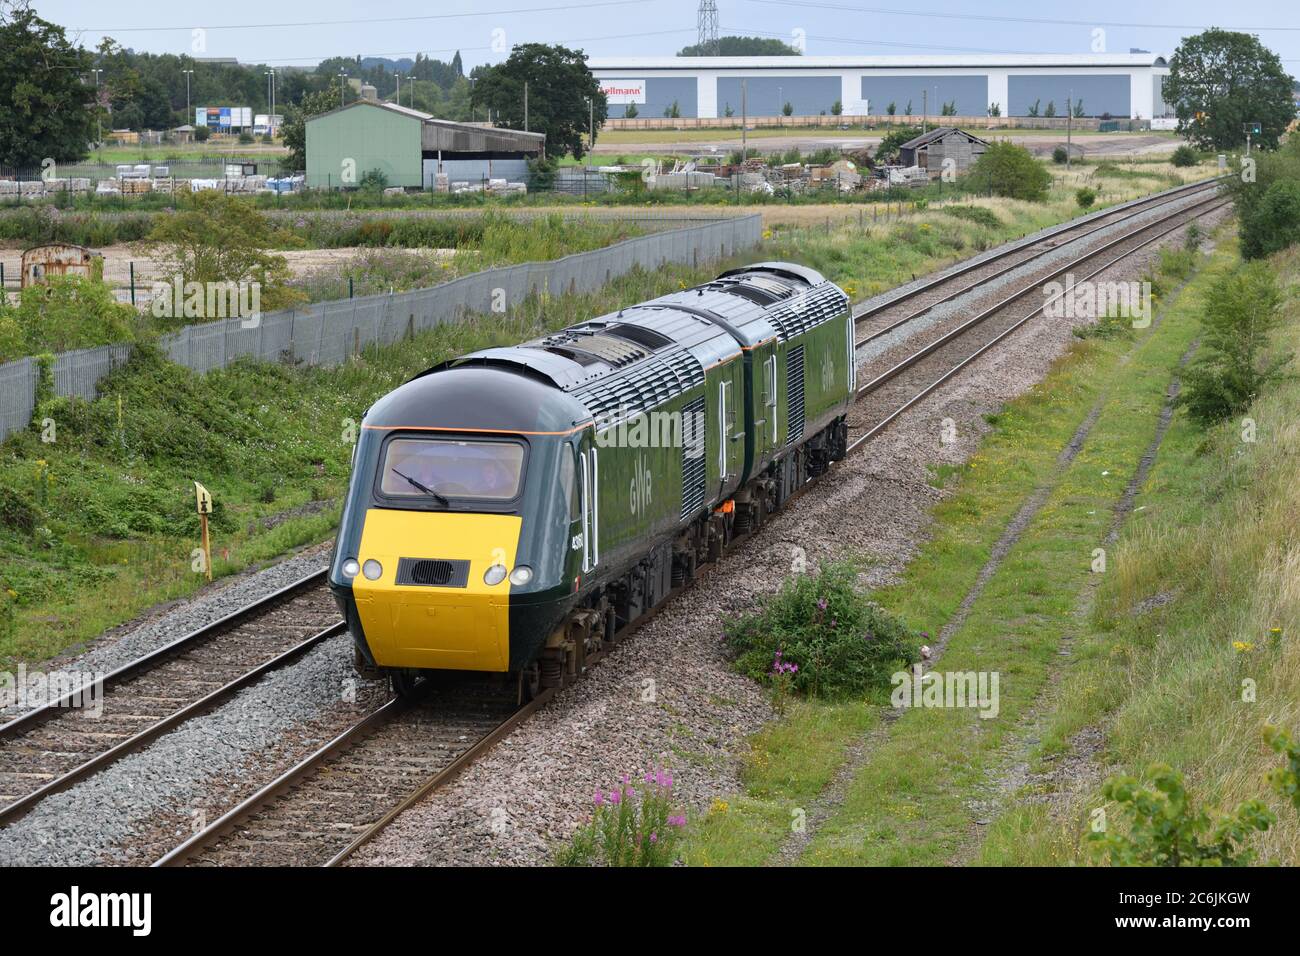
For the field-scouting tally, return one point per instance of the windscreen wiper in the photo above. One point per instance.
(442, 499)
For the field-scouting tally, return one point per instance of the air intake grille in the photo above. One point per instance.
(794, 393)
(795, 316)
(642, 388)
(433, 572)
(693, 460)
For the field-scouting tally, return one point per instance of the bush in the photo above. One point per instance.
(201, 134)
(1232, 366)
(887, 151)
(374, 179)
(1059, 155)
(245, 139)
(1166, 831)
(1184, 156)
(67, 312)
(1085, 197)
(1274, 222)
(823, 633)
(976, 214)
(1177, 263)
(630, 826)
(1009, 170)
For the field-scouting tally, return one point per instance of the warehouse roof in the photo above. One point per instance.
(939, 133)
(451, 136)
(1075, 60)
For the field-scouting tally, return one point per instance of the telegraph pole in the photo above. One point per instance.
(1069, 122)
(525, 106)
(342, 79)
(188, 112)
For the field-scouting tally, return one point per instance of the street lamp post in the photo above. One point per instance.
(189, 113)
(342, 79)
(99, 128)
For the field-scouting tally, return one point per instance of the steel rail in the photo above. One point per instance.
(925, 392)
(1159, 199)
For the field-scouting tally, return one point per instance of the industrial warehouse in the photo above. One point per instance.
(1097, 84)
(413, 149)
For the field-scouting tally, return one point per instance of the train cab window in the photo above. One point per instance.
(568, 480)
(435, 467)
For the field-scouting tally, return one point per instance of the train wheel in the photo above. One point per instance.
(406, 682)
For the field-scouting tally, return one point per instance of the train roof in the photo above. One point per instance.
(645, 353)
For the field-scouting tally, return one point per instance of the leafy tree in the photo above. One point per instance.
(1166, 831)
(787, 108)
(1009, 170)
(218, 238)
(1220, 80)
(673, 110)
(995, 109)
(837, 108)
(45, 102)
(631, 112)
(1183, 156)
(1051, 109)
(1232, 365)
(1033, 110)
(1078, 109)
(743, 46)
(892, 108)
(294, 130)
(560, 87)
(949, 108)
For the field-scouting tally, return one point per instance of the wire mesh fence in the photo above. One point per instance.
(328, 333)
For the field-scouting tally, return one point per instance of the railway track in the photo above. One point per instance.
(885, 318)
(326, 807)
(54, 746)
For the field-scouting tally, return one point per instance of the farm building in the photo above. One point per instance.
(411, 148)
(929, 150)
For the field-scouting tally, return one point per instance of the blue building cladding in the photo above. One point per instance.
(660, 94)
(970, 93)
(765, 95)
(1099, 93)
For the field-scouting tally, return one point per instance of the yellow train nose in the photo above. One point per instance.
(429, 606)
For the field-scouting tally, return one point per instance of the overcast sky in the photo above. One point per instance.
(303, 32)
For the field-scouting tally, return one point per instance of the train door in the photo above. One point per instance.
(767, 417)
(589, 504)
(729, 435)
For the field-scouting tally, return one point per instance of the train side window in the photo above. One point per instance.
(568, 480)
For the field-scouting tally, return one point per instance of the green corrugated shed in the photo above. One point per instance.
(360, 137)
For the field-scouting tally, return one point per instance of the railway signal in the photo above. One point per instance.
(203, 503)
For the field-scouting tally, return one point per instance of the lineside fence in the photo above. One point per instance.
(328, 333)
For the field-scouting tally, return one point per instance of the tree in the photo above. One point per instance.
(892, 108)
(630, 111)
(742, 46)
(294, 130)
(1006, 169)
(1078, 109)
(837, 108)
(1233, 364)
(45, 102)
(1051, 109)
(218, 238)
(887, 151)
(787, 108)
(560, 89)
(673, 110)
(1220, 80)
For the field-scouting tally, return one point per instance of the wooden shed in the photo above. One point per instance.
(929, 150)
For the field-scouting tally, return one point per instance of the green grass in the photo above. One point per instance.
(909, 802)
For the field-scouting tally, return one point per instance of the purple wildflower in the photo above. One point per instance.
(599, 798)
(615, 796)
(654, 838)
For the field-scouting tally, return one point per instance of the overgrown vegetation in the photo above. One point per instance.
(633, 824)
(1234, 363)
(821, 635)
(1006, 169)
(68, 312)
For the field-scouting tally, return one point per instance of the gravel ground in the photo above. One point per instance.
(194, 770)
(167, 622)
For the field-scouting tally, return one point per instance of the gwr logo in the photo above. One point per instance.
(639, 492)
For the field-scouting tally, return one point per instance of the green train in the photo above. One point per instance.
(514, 509)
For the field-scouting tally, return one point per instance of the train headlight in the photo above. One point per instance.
(350, 568)
(494, 575)
(372, 569)
(521, 575)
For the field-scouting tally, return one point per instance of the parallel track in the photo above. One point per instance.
(54, 746)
